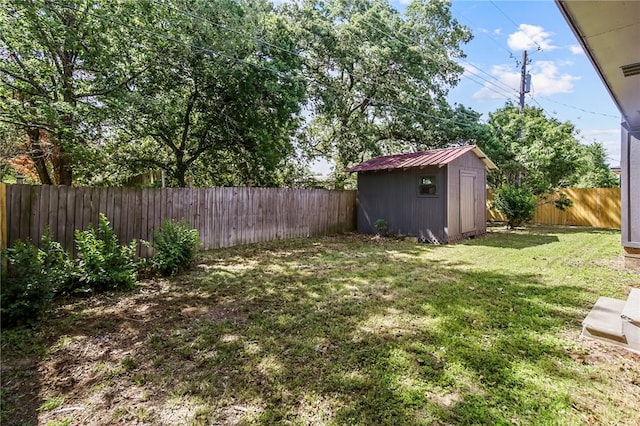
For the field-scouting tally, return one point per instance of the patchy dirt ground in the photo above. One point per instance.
(343, 330)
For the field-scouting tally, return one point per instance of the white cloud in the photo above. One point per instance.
(576, 49)
(546, 80)
(497, 31)
(508, 76)
(530, 37)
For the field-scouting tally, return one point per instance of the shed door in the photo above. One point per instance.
(467, 202)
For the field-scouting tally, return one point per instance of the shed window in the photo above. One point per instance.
(427, 185)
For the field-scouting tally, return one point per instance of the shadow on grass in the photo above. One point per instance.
(516, 240)
(533, 235)
(312, 332)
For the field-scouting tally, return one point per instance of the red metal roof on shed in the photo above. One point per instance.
(434, 157)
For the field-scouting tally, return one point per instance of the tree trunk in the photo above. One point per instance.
(38, 157)
(65, 170)
(65, 176)
(181, 171)
(62, 168)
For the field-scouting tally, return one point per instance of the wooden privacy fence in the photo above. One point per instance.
(224, 217)
(595, 207)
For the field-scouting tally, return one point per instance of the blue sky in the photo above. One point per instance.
(564, 83)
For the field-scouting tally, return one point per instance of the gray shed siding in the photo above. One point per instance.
(469, 164)
(393, 196)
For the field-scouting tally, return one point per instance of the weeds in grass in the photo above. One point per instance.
(350, 330)
(62, 422)
(52, 403)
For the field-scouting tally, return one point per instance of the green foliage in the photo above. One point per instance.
(35, 275)
(531, 150)
(207, 118)
(593, 170)
(102, 263)
(26, 294)
(516, 203)
(382, 226)
(61, 62)
(562, 202)
(175, 245)
(57, 263)
(378, 77)
(211, 92)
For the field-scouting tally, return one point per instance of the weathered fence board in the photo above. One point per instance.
(594, 207)
(222, 216)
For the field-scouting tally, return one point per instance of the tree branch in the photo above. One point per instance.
(187, 118)
(56, 54)
(202, 147)
(163, 138)
(24, 79)
(117, 86)
(43, 126)
(17, 88)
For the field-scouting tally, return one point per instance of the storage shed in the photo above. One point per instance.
(438, 196)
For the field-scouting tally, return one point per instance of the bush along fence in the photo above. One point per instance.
(223, 217)
(35, 276)
(594, 207)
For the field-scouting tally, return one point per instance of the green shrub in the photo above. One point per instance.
(382, 226)
(26, 294)
(517, 204)
(175, 246)
(57, 264)
(103, 264)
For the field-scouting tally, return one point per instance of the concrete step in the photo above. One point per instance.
(604, 321)
(631, 310)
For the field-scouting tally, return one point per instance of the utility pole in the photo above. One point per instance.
(524, 88)
(523, 78)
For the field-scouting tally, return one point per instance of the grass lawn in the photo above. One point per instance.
(341, 330)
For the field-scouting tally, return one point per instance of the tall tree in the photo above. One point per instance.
(531, 149)
(377, 79)
(223, 104)
(593, 170)
(58, 61)
(463, 126)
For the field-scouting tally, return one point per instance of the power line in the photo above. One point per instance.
(580, 109)
(568, 106)
(399, 107)
(278, 73)
(174, 40)
(258, 40)
(534, 99)
(514, 23)
(511, 55)
(540, 49)
(261, 41)
(538, 103)
(505, 15)
(446, 65)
